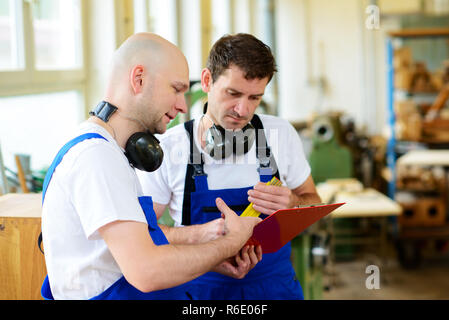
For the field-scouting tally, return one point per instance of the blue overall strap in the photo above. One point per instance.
(263, 152)
(194, 169)
(57, 160)
(156, 233)
(61, 155)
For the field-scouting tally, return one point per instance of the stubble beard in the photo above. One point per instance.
(145, 112)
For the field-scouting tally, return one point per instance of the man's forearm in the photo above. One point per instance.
(306, 199)
(173, 265)
(181, 235)
(189, 262)
(196, 233)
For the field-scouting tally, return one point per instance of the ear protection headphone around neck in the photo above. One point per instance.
(142, 148)
(221, 143)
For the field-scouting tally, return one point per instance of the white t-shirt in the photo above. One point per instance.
(166, 185)
(91, 187)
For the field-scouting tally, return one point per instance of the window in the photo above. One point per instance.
(42, 76)
(57, 34)
(157, 16)
(11, 41)
(221, 19)
(43, 45)
(191, 36)
(163, 19)
(242, 16)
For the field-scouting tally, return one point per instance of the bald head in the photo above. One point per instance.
(143, 48)
(148, 79)
(146, 49)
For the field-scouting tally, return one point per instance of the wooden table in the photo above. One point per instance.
(360, 203)
(366, 203)
(22, 265)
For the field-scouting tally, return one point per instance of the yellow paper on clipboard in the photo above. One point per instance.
(249, 211)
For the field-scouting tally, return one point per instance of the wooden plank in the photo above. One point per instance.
(424, 158)
(21, 175)
(437, 124)
(416, 33)
(439, 103)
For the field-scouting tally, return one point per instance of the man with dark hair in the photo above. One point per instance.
(230, 152)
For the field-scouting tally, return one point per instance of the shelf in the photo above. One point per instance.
(420, 191)
(425, 232)
(393, 94)
(429, 92)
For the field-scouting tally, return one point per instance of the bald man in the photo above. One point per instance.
(100, 234)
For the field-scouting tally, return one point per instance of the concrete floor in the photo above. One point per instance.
(428, 281)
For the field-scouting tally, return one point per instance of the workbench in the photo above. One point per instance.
(22, 265)
(360, 203)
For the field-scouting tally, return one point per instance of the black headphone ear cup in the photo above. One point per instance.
(144, 152)
(219, 145)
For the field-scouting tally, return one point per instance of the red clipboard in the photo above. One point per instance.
(282, 226)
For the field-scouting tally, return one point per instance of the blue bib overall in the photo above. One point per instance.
(121, 289)
(273, 277)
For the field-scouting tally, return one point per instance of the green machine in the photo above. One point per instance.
(329, 158)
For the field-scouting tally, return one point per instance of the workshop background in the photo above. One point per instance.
(364, 82)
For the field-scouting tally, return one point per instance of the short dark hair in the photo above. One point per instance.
(245, 51)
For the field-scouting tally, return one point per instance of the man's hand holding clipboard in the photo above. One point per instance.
(283, 225)
(279, 228)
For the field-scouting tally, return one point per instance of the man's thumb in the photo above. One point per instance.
(223, 207)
